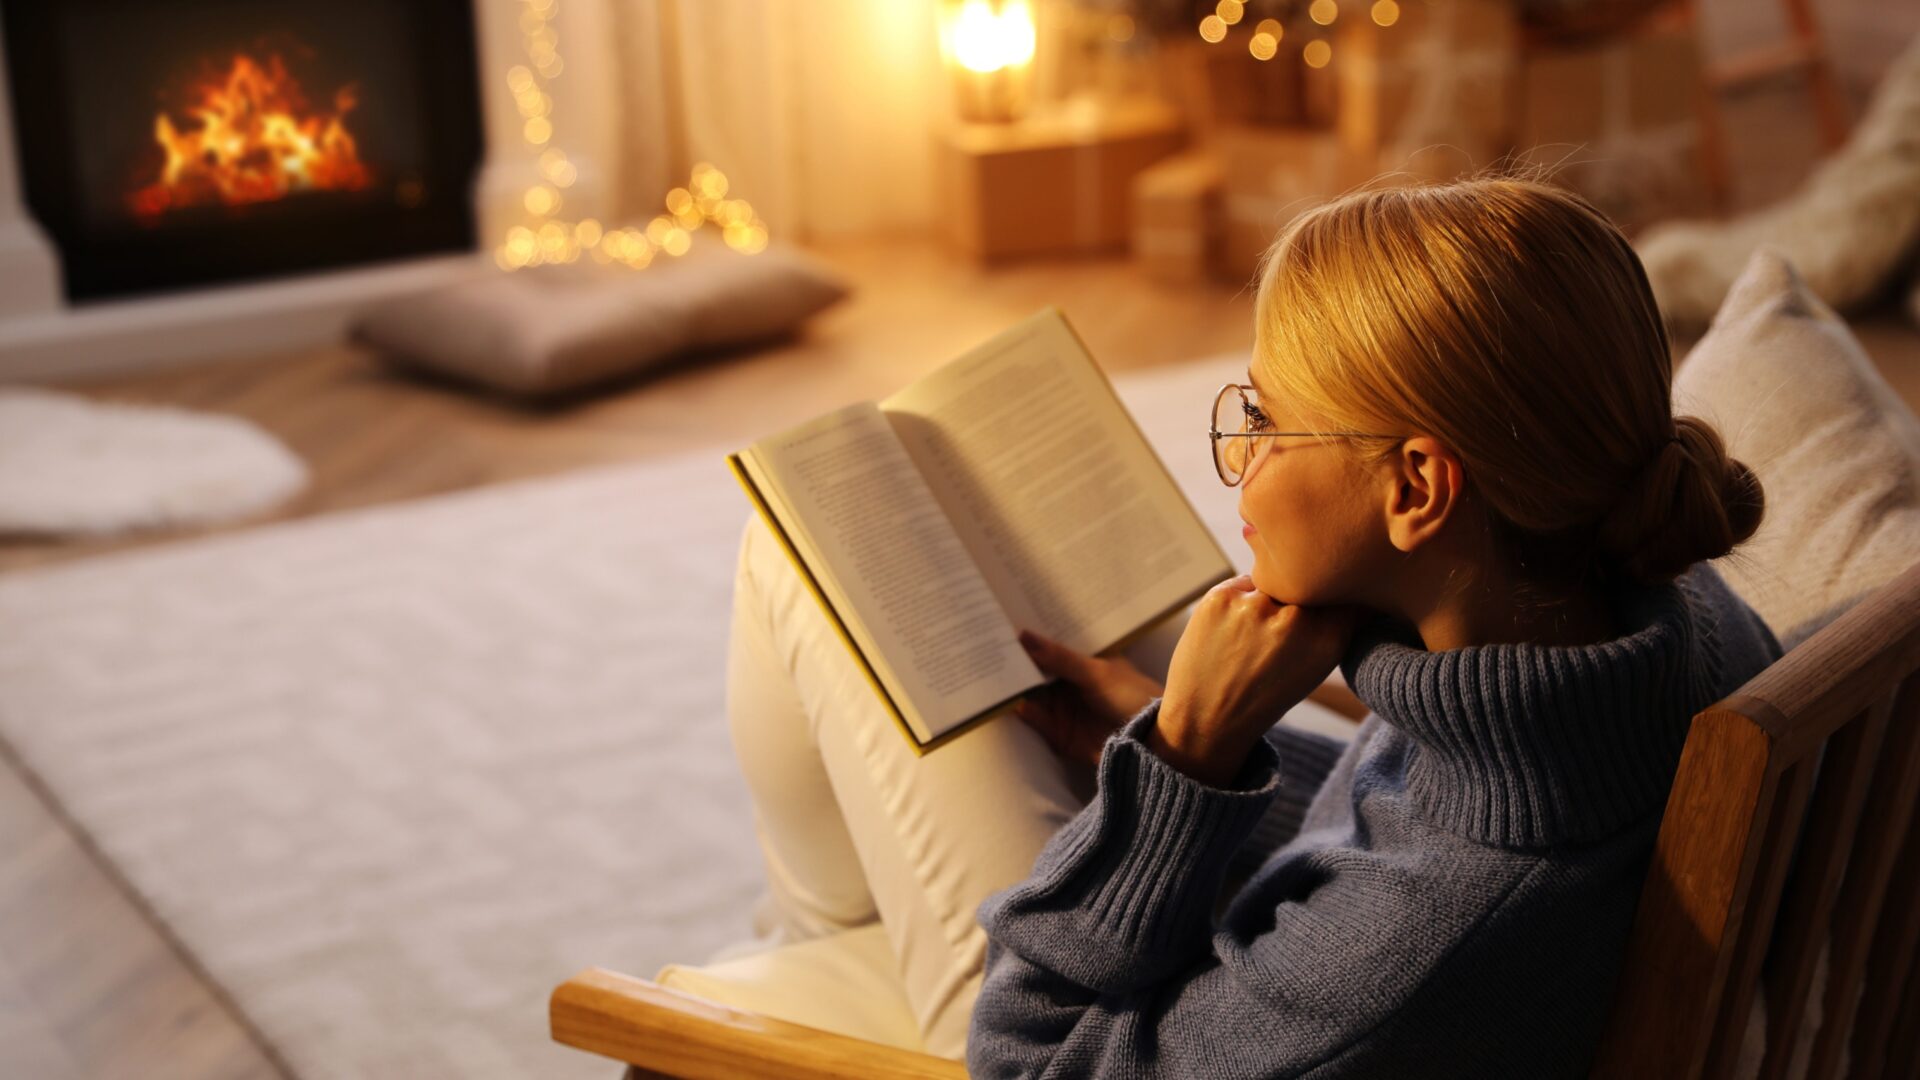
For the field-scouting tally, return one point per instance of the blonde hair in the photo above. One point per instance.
(1511, 321)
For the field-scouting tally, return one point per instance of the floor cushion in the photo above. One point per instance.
(555, 329)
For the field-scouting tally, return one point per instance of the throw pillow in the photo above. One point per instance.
(560, 328)
(1836, 449)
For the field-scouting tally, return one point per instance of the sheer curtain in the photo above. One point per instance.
(820, 112)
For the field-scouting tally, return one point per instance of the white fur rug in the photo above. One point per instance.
(73, 466)
(391, 774)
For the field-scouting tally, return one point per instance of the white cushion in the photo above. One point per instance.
(846, 982)
(1836, 449)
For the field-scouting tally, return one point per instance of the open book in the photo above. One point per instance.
(1008, 489)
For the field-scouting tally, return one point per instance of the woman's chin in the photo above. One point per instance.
(1274, 590)
(1289, 592)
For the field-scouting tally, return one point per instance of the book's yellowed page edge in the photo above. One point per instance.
(826, 606)
(909, 593)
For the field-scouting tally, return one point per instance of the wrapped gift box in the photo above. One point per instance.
(1433, 93)
(1050, 184)
(1268, 176)
(1620, 122)
(1176, 218)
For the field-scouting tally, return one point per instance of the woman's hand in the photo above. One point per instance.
(1095, 696)
(1244, 659)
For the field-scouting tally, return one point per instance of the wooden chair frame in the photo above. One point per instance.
(1793, 808)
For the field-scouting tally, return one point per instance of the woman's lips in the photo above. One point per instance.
(1246, 530)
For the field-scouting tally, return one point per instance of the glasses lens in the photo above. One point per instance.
(1230, 418)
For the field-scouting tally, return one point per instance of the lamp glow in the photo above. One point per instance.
(985, 41)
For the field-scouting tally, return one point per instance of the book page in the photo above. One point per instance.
(922, 613)
(1074, 522)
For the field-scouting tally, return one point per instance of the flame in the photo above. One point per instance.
(248, 141)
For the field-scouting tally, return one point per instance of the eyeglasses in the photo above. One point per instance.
(1238, 423)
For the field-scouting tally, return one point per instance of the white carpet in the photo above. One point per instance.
(69, 465)
(392, 774)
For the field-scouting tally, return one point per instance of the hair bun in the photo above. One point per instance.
(1691, 502)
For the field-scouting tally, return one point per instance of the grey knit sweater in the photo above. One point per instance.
(1455, 903)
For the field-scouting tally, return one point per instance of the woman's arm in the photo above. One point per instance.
(1383, 951)
(1114, 929)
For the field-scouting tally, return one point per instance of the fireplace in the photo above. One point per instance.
(172, 145)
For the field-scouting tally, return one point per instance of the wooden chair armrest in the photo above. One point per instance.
(1340, 699)
(668, 1032)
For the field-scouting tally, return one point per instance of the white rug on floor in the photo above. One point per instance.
(392, 774)
(69, 465)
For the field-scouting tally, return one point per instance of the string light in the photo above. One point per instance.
(547, 238)
(1269, 33)
(541, 201)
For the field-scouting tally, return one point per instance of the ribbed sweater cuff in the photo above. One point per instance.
(1123, 895)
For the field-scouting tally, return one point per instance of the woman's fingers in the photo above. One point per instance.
(1047, 719)
(1053, 658)
(1062, 719)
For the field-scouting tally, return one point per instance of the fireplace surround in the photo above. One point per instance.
(169, 146)
(46, 335)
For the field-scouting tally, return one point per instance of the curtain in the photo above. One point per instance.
(821, 113)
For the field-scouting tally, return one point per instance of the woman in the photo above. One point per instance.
(1463, 484)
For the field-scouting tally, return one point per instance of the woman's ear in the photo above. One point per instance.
(1424, 485)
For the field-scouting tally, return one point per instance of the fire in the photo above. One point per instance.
(251, 138)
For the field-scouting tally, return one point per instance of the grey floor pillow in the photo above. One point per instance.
(555, 329)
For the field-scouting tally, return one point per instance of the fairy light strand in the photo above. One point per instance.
(546, 236)
(1264, 44)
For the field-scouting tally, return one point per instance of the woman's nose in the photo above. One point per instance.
(1256, 453)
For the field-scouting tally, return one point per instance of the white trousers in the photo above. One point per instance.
(854, 826)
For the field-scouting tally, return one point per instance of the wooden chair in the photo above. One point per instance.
(1793, 807)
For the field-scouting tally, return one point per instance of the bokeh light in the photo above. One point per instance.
(548, 239)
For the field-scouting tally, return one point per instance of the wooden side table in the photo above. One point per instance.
(1053, 183)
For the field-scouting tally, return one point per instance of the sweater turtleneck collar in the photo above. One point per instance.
(1533, 745)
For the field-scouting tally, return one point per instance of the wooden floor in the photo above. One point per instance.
(91, 987)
